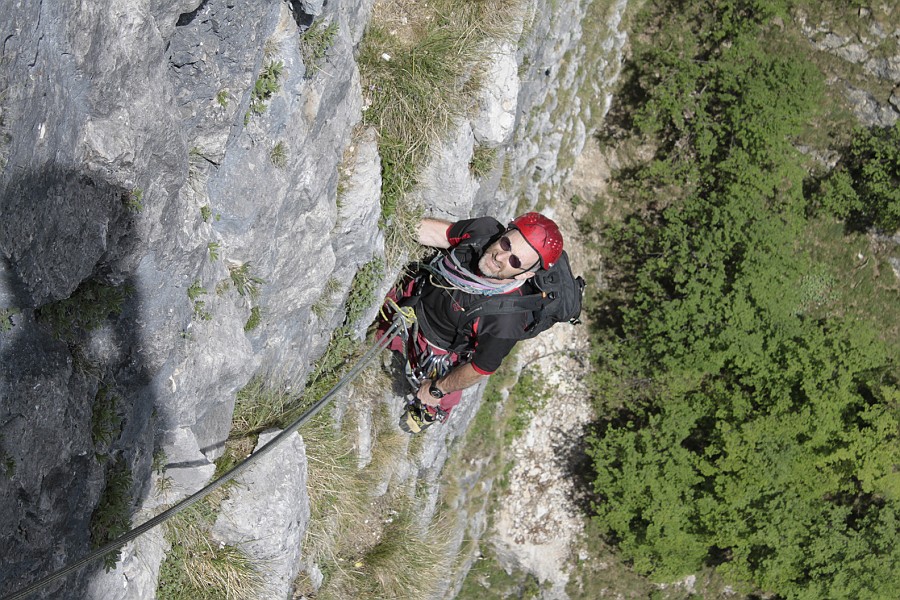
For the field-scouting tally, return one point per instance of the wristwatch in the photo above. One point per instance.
(434, 390)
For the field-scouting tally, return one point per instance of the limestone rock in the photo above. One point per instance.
(266, 513)
(494, 124)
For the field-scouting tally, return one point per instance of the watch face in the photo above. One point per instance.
(434, 391)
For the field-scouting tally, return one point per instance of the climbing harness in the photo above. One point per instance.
(237, 470)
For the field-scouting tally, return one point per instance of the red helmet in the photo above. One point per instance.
(542, 234)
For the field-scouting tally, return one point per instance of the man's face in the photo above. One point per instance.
(495, 262)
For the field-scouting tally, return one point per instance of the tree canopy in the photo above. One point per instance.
(741, 428)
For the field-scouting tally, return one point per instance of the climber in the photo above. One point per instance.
(448, 349)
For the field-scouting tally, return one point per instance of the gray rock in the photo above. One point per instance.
(448, 189)
(869, 111)
(266, 513)
(494, 123)
(854, 53)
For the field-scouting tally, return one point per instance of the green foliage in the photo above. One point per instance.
(213, 248)
(112, 516)
(133, 200)
(489, 580)
(6, 321)
(205, 213)
(222, 98)
(88, 308)
(160, 460)
(315, 43)
(865, 188)
(254, 320)
(361, 296)
(483, 161)
(267, 84)
(527, 397)
(278, 155)
(198, 568)
(244, 281)
(106, 422)
(747, 424)
(194, 292)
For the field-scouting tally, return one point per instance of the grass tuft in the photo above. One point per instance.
(278, 155)
(484, 159)
(198, 568)
(315, 43)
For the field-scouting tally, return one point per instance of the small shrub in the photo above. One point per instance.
(159, 462)
(278, 155)
(194, 292)
(483, 160)
(6, 315)
(132, 200)
(362, 290)
(112, 516)
(205, 213)
(527, 397)
(106, 422)
(213, 248)
(254, 320)
(266, 86)
(314, 44)
(85, 310)
(222, 98)
(244, 281)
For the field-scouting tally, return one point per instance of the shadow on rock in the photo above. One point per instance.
(76, 421)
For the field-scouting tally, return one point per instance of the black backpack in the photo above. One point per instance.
(552, 296)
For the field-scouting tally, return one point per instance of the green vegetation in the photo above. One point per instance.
(267, 85)
(420, 81)
(194, 292)
(325, 302)
(133, 200)
(527, 397)
(244, 281)
(6, 321)
(112, 516)
(315, 43)
(213, 249)
(484, 159)
(205, 213)
(254, 320)
(748, 396)
(222, 98)
(865, 189)
(86, 310)
(197, 567)
(278, 155)
(106, 422)
(488, 580)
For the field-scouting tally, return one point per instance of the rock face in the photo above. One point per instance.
(152, 203)
(872, 41)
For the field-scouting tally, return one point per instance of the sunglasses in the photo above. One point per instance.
(506, 246)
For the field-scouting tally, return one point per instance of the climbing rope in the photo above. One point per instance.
(237, 470)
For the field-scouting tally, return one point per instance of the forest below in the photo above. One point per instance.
(746, 385)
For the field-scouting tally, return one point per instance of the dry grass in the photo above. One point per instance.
(421, 66)
(198, 568)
